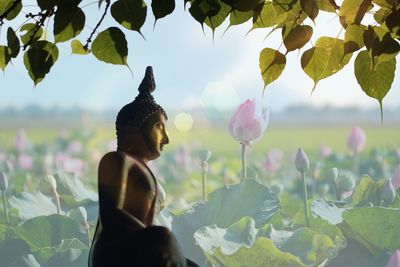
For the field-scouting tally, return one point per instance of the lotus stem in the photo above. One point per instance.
(5, 207)
(306, 209)
(204, 176)
(244, 165)
(57, 197)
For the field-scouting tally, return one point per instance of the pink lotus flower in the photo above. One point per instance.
(21, 142)
(396, 178)
(270, 163)
(324, 151)
(357, 139)
(248, 123)
(75, 147)
(394, 260)
(25, 162)
(74, 165)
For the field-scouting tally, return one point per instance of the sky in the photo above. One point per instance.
(191, 70)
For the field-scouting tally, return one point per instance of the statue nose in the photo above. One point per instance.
(165, 139)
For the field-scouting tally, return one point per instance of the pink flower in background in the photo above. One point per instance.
(394, 260)
(20, 141)
(270, 163)
(277, 154)
(357, 139)
(25, 162)
(60, 158)
(396, 178)
(324, 151)
(74, 165)
(75, 147)
(248, 123)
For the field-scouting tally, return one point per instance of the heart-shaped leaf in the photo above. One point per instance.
(130, 13)
(13, 42)
(272, 64)
(162, 8)
(69, 21)
(111, 46)
(297, 37)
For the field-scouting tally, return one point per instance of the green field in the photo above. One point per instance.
(220, 141)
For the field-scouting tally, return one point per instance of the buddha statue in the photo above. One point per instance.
(129, 195)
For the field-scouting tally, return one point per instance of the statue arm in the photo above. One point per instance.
(112, 175)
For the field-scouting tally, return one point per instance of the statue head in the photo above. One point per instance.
(140, 125)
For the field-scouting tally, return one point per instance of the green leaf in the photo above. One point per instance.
(297, 37)
(13, 42)
(6, 5)
(130, 13)
(78, 48)
(310, 7)
(353, 11)
(380, 44)
(110, 46)
(237, 17)
(5, 56)
(201, 9)
(31, 205)
(224, 207)
(374, 227)
(47, 46)
(47, 4)
(353, 38)
(375, 79)
(328, 5)
(215, 21)
(267, 17)
(263, 253)
(69, 21)
(366, 192)
(27, 260)
(29, 28)
(223, 246)
(386, 3)
(325, 59)
(44, 234)
(381, 14)
(272, 64)
(162, 8)
(38, 62)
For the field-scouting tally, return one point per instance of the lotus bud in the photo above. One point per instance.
(3, 181)
(48, 185)
(345, 182)
(301, 162)
(357, 139)
(387, 191)
(394, 260)
(78, 214)
(204, 154)
(333, 174)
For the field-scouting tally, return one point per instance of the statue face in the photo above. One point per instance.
(154, 134)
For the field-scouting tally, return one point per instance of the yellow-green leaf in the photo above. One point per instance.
(69, 21)
(353, 11)
(29, 34)
(375, 79)
(6, 5)
(272, 63)
(353, 38)
(314, 62)
(110, 46)
(237, 17)
(78, 48)
(38, 62)
(5, 56)
(328, 5)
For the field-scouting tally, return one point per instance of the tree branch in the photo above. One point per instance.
(89, 40)
(4, 15)
(38, 24)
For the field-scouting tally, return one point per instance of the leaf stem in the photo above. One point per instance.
(306, 209)
(89, 40)
(5, 207)
(244, 169)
